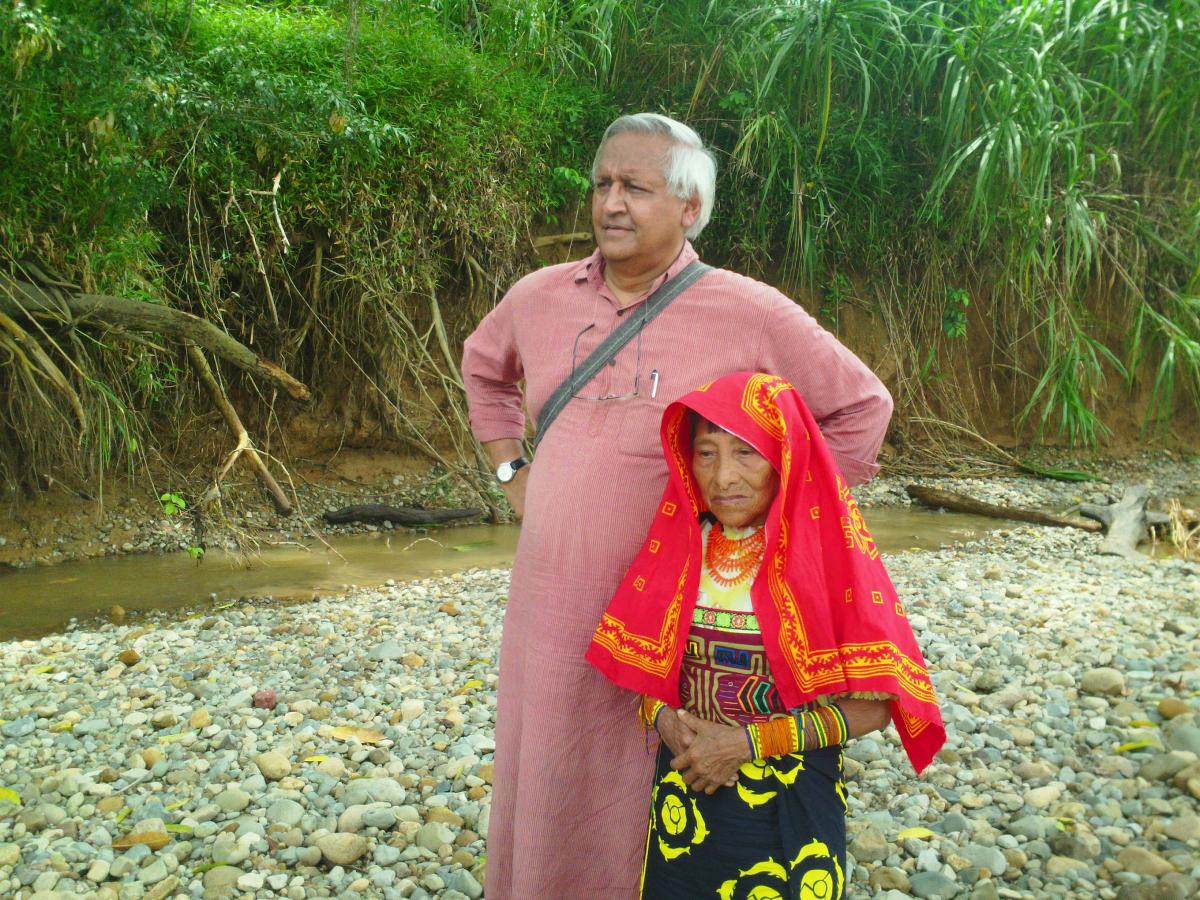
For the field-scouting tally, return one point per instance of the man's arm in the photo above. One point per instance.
(491, 370)
(849, 402)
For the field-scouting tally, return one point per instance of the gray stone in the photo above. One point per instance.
(1164, 766)
(232, 799)
(464, 882)
(933, 886)
(988, 858)
(433, 835)
(251, 881)
(121, 866)
(285, 812)
(379, 817)
(864, 750)
(19, 728)
(10, 854)
(1185, 737)
(389, 650)
(153, 873)
(1105, 680)
(370, 790)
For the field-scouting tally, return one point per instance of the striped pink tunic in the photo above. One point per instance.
(572, 774)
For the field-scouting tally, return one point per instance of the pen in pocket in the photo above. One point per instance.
(653, 383)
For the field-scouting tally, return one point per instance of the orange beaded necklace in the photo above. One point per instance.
(731, 562)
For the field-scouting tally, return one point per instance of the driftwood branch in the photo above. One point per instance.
(939, 499)
(398, 515)
(1126, 522)
(20, 298)
(244, 447)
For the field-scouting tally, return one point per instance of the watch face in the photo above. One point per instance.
(504, 472)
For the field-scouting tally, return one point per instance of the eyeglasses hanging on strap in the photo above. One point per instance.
(637, 371)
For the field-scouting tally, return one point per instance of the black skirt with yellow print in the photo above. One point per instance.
(778, 834)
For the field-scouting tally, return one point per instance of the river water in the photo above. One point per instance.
(45, 599)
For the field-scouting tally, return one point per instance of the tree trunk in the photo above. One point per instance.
(939, 499)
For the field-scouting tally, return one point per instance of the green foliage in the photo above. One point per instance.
(954, 313)
(172, 503)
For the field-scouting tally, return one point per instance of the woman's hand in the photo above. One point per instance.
(671, 728)
(713, 756)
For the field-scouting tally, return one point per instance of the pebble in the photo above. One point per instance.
(273, 765)
(342, 849)
(1104, 680)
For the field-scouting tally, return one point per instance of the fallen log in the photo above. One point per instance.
(21, 298)
(939, 499)
(397, 515)
(1125, 522)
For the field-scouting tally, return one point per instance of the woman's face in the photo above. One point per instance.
(737, 482)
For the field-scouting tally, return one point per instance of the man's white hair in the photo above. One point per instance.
(691, 168)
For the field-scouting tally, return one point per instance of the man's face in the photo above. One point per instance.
(639, 224)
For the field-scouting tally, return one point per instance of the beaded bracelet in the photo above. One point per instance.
(789, 734)
(648, 711)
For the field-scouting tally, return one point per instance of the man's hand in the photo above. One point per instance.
(504, 450)
(714, 755)
(673, 730)
(515, 491)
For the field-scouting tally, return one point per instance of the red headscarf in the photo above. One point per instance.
(831, 620)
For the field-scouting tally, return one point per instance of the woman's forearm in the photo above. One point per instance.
(824, 726)
(864, 716)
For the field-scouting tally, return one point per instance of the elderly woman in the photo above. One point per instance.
(762, 630)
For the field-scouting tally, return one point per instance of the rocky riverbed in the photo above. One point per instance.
(344, 747)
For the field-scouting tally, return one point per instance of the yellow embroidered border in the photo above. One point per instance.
(651, 654)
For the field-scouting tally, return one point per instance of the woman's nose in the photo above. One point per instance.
(727, 473)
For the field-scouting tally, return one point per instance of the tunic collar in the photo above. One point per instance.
(591, 270)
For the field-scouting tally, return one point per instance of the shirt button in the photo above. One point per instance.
(612, 362)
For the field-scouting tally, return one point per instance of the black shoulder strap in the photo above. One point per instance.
(622, 335)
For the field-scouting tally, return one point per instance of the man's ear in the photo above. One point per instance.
(691, 212)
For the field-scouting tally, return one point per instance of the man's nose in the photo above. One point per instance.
(614, 199)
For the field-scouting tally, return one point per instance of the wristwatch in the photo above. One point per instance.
(506, 471)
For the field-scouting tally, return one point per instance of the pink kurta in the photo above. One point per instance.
(572, 775)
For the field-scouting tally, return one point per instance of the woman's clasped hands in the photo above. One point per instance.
(707, 754)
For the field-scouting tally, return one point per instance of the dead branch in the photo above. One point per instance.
(550, 240)
(21, 298)
(939, 499)
(244, 447)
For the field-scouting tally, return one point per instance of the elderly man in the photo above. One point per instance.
(573, 768)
